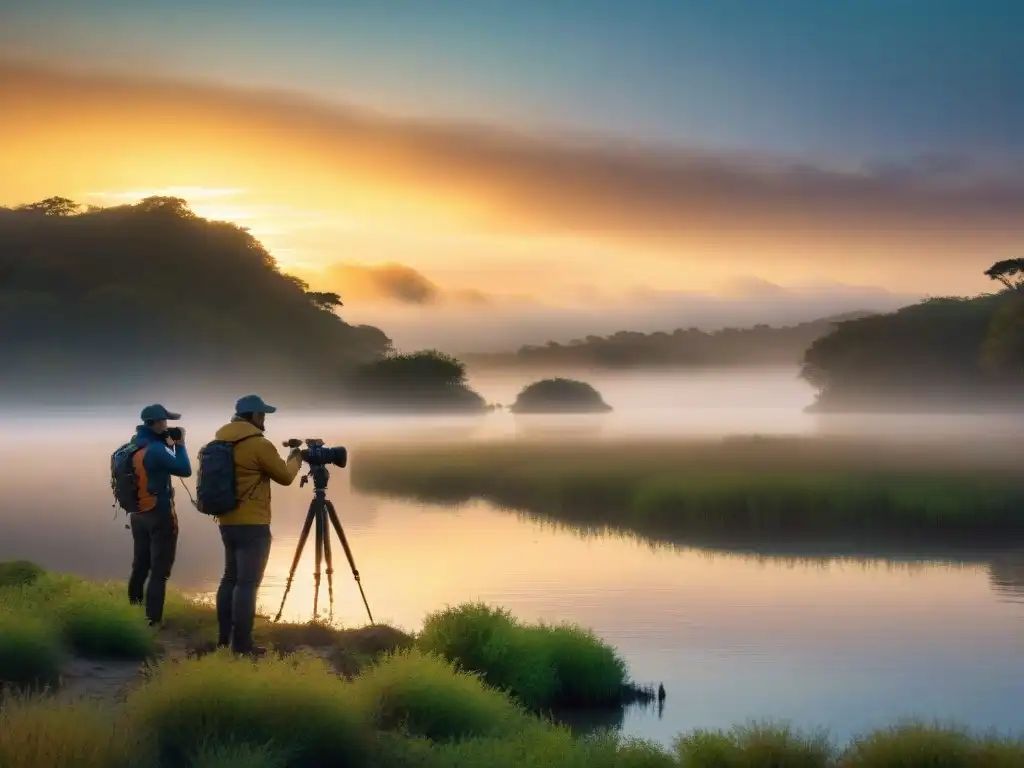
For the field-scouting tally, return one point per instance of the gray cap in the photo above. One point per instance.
(157, 412)
(253, 404)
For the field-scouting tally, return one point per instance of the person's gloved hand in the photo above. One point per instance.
(295, 453)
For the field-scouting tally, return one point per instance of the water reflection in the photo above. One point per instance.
(1006, 573)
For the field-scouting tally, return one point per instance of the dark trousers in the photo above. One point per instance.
(155, 537)
(246, 550)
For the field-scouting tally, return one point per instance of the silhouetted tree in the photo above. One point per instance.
(1009, 272)
(324, 300)
(51, 206)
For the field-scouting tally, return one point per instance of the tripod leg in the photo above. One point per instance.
(295, 561)
(333, 515)
(319, 554)
(330, 572)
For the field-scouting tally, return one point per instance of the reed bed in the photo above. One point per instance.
(703, 490)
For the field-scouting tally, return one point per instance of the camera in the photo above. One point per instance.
(174, 433)
(316, 454)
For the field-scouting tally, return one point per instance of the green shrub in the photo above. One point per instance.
(424, 695)
(542, 666)
(296, 706)
(754, 746)
(30, 651)
(589, 671)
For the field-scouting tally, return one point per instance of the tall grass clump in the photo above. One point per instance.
(544, 749)
(295, 706)
(542, 666)
(30, 651)
(915, 745)
(94, 620)
(754, 746)
(424, 695)
(45, 733)
(97, 623)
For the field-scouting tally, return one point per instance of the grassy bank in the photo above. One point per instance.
(716, 489)
(457, 695)
(46, 618)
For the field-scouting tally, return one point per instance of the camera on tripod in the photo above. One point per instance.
(316, 454)
(324, 517)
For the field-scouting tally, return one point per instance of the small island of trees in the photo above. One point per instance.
(559, 396)
(427, 380)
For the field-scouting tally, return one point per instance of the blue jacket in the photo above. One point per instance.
(160, 463)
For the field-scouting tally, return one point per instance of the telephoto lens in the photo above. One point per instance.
(319, 455)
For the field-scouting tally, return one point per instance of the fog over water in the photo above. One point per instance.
(842, 643)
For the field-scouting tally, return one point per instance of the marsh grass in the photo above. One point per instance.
(699, 490)
(914, 745)
(409, 711)
(542, 666)
(295, 706)
(543, 749)
(43, 732)
(425, 695)
(755, 746)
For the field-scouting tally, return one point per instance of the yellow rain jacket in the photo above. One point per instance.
(257, 462)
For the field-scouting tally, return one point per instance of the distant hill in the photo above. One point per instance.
(136, 300)
(760, 345)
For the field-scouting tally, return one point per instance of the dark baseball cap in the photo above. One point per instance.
(253, 404)
(157, 412)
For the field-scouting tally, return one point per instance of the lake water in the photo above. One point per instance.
(846, 644)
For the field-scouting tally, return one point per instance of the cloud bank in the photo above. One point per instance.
(744, 214)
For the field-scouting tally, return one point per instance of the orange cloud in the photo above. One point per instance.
(922, 221)
(387, 283)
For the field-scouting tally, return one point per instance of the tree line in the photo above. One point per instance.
(760, 345)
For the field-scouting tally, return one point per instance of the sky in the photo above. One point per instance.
(534, 168)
